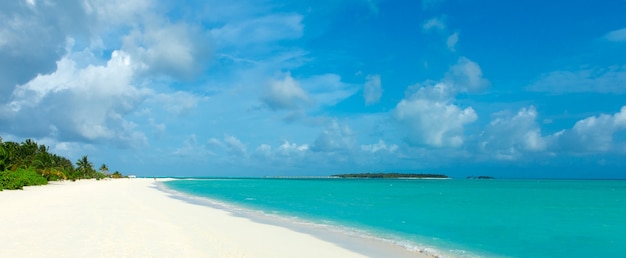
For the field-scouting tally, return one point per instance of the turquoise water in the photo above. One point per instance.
(516, 218)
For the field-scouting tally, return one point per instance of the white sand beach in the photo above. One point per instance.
(132, 218)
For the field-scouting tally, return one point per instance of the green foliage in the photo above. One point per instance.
(104, 169)
(29, 163)
(85, 168)
(99, 175)
(19, 178)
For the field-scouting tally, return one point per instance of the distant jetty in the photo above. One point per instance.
(392, 176)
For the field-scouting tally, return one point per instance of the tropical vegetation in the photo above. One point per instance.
(28, 163)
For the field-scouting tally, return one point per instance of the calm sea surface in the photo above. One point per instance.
(515, 218)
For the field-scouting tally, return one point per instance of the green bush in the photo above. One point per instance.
(19, 178)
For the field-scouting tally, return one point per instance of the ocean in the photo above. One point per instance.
(455, 217)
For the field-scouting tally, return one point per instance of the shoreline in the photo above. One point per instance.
(136, 218)
(350, 238)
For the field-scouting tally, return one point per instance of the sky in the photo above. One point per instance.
(511, 89)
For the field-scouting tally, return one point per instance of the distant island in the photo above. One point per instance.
(390, 175)
(480, 177)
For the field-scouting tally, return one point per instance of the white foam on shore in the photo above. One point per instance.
(349, 237)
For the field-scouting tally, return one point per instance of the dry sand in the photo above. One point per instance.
(132, 218)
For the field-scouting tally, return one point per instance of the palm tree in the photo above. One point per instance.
(4, 156)
(12, 159)
(104, 169)
(85, 167)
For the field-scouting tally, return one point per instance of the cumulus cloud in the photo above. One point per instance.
(113, 13)
(380, 146)
(428, 112)
(191, 149)
(177, 50)
(604, 80)
(335, 138)
(285, 94)
(284, 152)
(508, 137)
(438, 26)
(466, 75)
(594, 134)
(327, 89)
(88, 95)
(79, 104)
(616, 35)
(235, 146)
(264, 150)
(231, 145)
(431, 117)
(372, 90)
(452, 40)
(33, 38)
(288, 148)
(434, 24)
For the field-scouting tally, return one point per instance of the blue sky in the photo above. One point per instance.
(255, 88)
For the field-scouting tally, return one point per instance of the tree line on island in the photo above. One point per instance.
(389, 175)
(28, 163)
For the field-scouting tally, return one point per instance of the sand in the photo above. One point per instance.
(132, 218)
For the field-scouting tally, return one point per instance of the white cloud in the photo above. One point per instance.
(452, 40)
(508, 137)
(466, 75)
(80, 95)
(287, 151)
(434, 24)
(33, 39)
(235, 146)
(432, 119)
(113, 13)
(231, 145)
(616, 35)
(178, 103)
(264, 150)
(288, 148)
(191, 149)
(177, 50)
(594, 134)
(285, 94)
(265, 29)
(380, 146)
(429, 114)
(214, 142)
(66, 149)
(80, 104)
(372, 90)
(335, 138)
(604, 80)
(158, 129)
(328, 89)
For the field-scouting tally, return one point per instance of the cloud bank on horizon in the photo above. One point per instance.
(233, 88)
